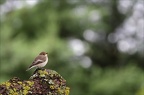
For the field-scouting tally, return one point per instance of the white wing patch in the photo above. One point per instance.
(37, 61)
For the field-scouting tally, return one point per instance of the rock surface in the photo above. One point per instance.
(42, 82)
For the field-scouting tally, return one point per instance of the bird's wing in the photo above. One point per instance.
(39, 59)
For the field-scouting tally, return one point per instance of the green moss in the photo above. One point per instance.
(7, 84)
(19, 82)
(42, 73)
(67, 91)
(30, 83)
(25, 92)
(42, 81)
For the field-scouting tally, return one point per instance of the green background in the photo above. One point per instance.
(96, 45)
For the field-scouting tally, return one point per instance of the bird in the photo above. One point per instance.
(40, 61)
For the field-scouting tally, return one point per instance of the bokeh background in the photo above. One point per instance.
(96, 45)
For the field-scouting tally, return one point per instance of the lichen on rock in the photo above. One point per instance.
(42, 82)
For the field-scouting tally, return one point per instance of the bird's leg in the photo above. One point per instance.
(42, 68)
(36, 70)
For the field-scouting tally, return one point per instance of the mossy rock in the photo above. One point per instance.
(42, 82)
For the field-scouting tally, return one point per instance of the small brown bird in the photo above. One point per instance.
(40, 61)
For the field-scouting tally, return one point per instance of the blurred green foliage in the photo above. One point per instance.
(49, 26)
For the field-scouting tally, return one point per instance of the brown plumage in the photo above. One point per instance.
(40, 61)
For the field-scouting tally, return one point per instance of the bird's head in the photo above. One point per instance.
(43, 53)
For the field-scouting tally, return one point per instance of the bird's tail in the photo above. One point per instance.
(29, 68)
